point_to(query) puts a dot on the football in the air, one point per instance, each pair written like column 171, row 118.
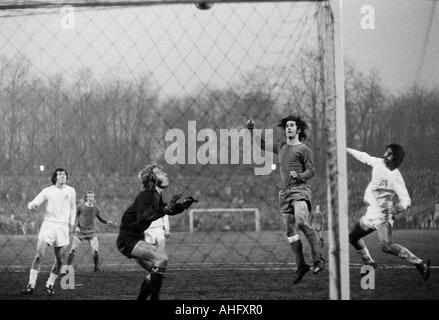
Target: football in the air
column 203, row 4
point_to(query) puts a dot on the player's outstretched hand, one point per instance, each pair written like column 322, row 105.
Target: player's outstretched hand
column 187, row 202
column 250, row 124
column 174, row 200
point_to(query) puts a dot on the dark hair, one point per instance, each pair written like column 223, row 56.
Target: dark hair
column 147, row 176
column 398, row 153
column 87, row 193
column 300, row 123
column 53, row 177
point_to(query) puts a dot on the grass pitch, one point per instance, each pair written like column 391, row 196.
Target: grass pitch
column 221, row 265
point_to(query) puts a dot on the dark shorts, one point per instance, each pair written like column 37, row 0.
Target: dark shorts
column 126, row 243
column 287, row 198
column 85, row 234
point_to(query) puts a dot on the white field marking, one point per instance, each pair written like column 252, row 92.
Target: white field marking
column 208, row 267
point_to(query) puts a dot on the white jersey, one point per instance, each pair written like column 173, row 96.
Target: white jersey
column 384, row 185
column 60, row 204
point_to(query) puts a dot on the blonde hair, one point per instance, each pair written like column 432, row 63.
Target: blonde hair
column 147, row 176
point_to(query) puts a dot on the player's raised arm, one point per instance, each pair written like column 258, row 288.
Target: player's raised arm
column 265, row 145
column 38, row 200
column 361, row 156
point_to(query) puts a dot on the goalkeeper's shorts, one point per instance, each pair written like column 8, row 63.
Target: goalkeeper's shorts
column 125, row 244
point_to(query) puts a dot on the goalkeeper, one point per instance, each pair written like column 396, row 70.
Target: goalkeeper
column 147, row 207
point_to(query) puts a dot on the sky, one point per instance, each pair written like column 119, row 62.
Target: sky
column 183, row 46
column 395, row 46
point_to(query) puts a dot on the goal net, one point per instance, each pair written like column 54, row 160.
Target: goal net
column 103, row 88
column 224, row 219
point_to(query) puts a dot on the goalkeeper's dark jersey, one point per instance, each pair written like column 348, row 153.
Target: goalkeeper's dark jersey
column 147, row 207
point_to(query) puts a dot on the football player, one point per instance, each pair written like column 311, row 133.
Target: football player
column 85, row 229
column 147, row 207
column 296, row 168
column 385, row 184
column 59, row 218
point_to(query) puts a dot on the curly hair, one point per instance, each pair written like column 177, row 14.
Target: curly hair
column 300, row 123
column 398, row 153
column 87, row 193
column 54, row 174
column 147, row 176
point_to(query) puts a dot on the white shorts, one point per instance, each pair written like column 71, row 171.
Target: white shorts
column 375, row 217
column 55, row 234
column 155, row 235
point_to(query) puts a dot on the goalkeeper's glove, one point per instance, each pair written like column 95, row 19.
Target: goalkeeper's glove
column 188, row 201
column 173, row 202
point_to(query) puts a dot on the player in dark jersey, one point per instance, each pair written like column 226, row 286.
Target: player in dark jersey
column 85, row 229
column 296, row 168
column 147, row 207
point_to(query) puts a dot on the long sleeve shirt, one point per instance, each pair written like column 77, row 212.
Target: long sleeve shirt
column 85, row 218
column 384, row 184
column 296, row 158
column 60, row 204
column 147, row 207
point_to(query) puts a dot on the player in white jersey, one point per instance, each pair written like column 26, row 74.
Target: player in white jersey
column 386, row 184
column 59, row 218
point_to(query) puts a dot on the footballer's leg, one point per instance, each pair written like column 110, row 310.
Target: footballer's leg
column 301, row 213
column 296, row 246
column 56, row 269
column 384, row 235
column 145, row 289
column 159, row 258
column 35, row 267
column 75, row 245
column 94, row 243
column 358, row 232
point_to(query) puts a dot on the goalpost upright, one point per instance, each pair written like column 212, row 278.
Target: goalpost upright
column 336, row 168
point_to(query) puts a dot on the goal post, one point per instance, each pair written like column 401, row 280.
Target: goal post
column 256, row 211
column 336, row 163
